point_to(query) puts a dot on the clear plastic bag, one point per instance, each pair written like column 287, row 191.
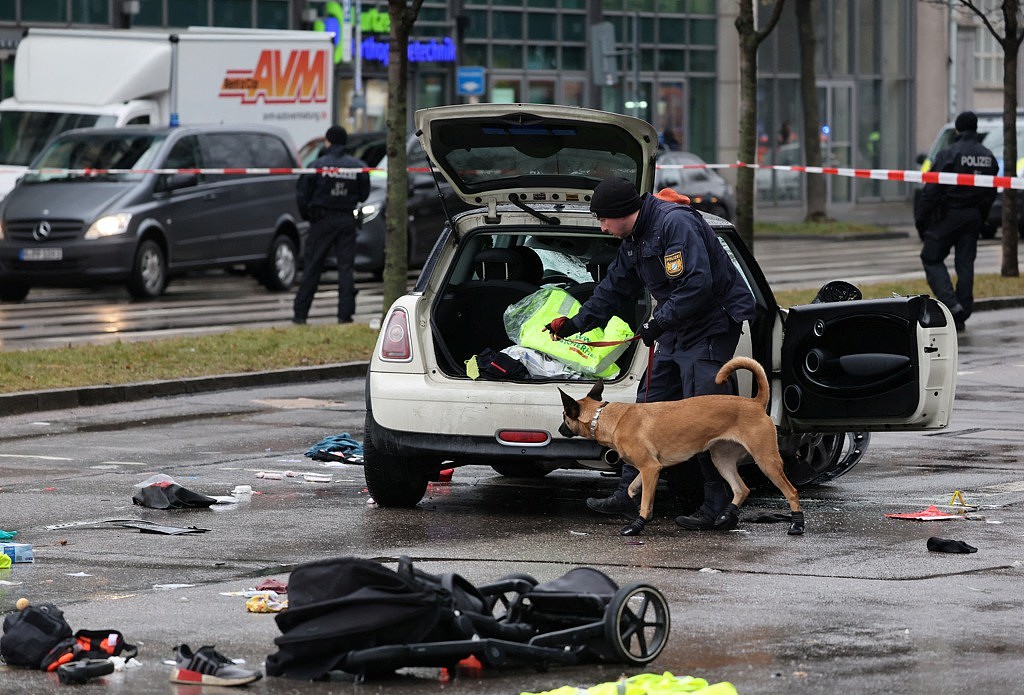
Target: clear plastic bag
column 541, row 365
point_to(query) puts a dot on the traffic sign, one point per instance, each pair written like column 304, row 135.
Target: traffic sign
column 470, row 81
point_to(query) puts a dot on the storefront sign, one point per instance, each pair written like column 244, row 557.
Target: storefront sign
column 419, row 51
column 376, row 22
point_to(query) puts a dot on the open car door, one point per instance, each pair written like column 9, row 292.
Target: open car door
column 870, row 365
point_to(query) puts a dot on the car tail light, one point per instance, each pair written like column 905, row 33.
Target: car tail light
column 518, row 437
column 396, row 346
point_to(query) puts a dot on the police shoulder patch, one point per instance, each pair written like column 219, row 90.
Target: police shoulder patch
column 674, row 264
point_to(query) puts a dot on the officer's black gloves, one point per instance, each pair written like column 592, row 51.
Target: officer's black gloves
column 650, row 331
column 562, row 327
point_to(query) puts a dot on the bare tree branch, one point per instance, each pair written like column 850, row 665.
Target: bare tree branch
column 981, row 15
column 761, row 35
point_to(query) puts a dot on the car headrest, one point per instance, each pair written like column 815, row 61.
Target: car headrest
column 516, row 263
column 599, row 262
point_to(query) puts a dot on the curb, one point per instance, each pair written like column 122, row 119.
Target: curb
column 63, row 399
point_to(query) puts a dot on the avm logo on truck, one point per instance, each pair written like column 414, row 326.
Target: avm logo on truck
column 302, row 78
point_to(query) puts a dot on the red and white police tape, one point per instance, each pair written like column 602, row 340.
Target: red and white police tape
column 909, row 176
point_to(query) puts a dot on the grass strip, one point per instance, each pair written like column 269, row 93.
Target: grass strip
column 251, row 350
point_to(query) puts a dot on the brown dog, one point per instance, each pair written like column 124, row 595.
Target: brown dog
column 652, row 436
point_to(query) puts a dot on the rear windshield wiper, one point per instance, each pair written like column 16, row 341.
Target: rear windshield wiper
column 516, row 200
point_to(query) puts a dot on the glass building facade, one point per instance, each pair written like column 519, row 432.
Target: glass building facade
column 864, row 66
column 671, row 62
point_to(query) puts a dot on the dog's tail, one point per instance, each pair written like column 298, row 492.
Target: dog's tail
column 746, row 363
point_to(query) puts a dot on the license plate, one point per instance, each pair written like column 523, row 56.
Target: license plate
column 42, row 253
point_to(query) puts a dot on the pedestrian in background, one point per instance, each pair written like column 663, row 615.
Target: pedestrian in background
column 671, row 251
column 952, row 217
column 328, row 201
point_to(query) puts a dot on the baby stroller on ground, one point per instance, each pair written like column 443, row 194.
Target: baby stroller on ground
column 362, row 618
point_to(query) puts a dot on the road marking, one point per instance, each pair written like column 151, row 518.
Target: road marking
column 32, row 456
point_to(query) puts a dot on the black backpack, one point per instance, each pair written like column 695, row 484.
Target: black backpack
column 30, row 634
column 497, row 366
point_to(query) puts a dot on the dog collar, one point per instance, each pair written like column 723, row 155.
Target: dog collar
column 593, row 421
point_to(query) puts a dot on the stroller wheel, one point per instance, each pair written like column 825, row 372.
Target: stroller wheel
column 637, row 623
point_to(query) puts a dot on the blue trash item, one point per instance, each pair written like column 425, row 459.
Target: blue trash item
column 337, row 447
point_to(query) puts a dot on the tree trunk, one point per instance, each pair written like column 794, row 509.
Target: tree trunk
column 747, row 151
column 815, row 191
column 396, row 246
column 750, row 39
column 1011, row 213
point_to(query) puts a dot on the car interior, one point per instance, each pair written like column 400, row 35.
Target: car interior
column 494, row 271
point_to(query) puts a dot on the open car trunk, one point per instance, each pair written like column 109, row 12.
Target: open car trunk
column 494, row 270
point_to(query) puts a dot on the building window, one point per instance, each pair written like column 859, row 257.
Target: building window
column 505, row 91
column 91, row 12
column 232, row 13
column 272, row 14
column 540, row 27
column 45, row 11
column 574, row 58
column 988, row 54
column 151, row 14
column 507, row 25
column 7, row 10
column 184, row 13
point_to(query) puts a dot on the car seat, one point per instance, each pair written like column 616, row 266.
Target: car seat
column 470, row 316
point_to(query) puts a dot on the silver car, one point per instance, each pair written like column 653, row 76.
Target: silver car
column 836, row 368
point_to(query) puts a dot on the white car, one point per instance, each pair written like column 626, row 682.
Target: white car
column 835, row 368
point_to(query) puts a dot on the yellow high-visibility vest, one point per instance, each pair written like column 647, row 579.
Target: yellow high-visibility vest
column 591, row 360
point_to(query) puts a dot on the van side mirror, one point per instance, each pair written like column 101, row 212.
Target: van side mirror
column 175, row 181
column 920, row 158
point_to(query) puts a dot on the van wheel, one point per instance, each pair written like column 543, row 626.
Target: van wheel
column 281, row 265
column 13, row 291
column 149, row 272
column 392, row 480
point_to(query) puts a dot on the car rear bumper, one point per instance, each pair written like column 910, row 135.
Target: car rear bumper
column 468, row 449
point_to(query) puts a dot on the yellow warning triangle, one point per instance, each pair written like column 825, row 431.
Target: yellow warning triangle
column 957, row 499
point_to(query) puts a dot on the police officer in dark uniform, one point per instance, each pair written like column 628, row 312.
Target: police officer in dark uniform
column 952, row 217
column 328, row 200
column 702, row 301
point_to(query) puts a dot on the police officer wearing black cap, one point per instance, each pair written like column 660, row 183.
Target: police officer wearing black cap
column 952, row 217
column 702, row 300
column 328, row 200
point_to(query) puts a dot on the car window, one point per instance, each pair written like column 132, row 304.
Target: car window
column 229, row 150
column 184, row 154
column 269, row 151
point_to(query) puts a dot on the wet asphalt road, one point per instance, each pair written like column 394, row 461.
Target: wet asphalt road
column 857, row 605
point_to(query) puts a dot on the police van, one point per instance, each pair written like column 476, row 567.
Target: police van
column 990, row 133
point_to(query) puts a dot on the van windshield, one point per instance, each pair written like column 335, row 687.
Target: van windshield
column 90, row 151
column 990, row 133
column 24, row 133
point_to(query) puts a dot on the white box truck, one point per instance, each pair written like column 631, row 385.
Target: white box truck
column 67, row 78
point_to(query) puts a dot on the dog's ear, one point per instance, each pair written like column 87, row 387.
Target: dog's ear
column 596, row 391
column 571, row 407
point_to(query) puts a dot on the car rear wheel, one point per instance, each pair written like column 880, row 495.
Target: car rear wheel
column 525, row 469
column 813, row 458
column 149, row 271
column 281, row 265
column 393, row 480
column 13, row 291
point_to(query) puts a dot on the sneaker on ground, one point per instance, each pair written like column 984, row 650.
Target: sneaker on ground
column 207, row 666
